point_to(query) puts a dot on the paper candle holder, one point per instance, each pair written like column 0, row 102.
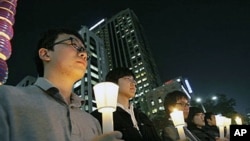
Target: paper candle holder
column 106, row 100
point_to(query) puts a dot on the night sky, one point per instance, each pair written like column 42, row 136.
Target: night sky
column 206, row 42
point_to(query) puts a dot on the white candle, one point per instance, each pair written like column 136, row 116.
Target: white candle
column 106, row 100
column 178, row 120
column 227, row 124
column 220, row 123
column 177, row 117
column 107, row 122
column 181, row 132
column 238, row 120
column 221, row 130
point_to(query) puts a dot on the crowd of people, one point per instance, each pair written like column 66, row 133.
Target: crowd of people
column 199, row 126
column 49, row 110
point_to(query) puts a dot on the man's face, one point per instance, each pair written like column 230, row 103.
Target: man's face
column 182, row 104
column 198, row 119
column 212, row 121
column 65, row 59
column 127, row 86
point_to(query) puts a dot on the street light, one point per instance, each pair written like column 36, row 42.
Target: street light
column 214, row 98
column 199, row 100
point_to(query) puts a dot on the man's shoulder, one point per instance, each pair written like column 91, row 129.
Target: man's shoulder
column 9, row 90
column 16, row 88
column 7, row 86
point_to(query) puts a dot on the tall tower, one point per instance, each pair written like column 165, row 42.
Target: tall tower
column 127, row 46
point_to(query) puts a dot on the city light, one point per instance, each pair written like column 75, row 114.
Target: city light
column 199, row 100
column 101, row 21
column 214, row 98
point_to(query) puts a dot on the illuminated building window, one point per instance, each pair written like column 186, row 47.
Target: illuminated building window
column 159, row 100
column 154, row 111
column 152, row 103
column 161, row 108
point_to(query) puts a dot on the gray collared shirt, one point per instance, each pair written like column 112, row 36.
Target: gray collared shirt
column 39, row 113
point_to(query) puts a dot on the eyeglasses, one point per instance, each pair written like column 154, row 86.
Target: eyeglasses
column 130, row 80
column 184, row 104
column 200, row 114
column 75, row 44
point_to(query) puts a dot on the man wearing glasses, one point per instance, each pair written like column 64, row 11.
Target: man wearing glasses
column 49, row 110
column 134, row 125
column 176, row 100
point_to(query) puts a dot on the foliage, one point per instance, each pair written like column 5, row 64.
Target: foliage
column 222, row 105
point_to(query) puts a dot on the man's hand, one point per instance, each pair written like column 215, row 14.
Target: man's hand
column 111, row 136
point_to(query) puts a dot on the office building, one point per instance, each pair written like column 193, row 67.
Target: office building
column 127, row 46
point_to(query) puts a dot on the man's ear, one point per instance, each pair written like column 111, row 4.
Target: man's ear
column 44, row 54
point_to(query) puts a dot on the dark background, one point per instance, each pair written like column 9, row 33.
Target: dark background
column 204, row 41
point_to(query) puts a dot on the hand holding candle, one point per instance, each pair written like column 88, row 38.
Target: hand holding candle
column 178, row 119
column 220, row 123
column 106, row 100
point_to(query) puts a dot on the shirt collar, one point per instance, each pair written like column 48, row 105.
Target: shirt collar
column 47, row 86
column 131, row 106
column 44, row 83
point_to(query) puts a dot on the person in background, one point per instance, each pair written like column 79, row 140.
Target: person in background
column 195, row 123
column 134, row 125
column 210, row 125
column 49, row 110
column 180, row 101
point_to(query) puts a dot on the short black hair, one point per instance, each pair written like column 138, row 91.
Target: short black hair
column 192, row 112
column 118, row 73
column 171, row 99
column 208, row 115
column 46, row 41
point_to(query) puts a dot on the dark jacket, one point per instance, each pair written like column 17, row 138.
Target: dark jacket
column 212, row 130
column 201, row 134
column 170, row 133
column 123, row 122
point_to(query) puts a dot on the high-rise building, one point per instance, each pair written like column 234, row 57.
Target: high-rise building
column 127, row 46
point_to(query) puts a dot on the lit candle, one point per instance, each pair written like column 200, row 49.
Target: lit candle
column 238, row 120
column 220, row 123
column 106, row 100
column 227, row 124
column 181, row 132
column 107, row 121
column 178, row 120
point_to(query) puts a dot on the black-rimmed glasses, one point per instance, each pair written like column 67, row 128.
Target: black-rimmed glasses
column 184, row 104
column 130, row 80
column 74, row 43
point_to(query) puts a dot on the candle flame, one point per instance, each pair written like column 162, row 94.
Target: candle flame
column 175, row 109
